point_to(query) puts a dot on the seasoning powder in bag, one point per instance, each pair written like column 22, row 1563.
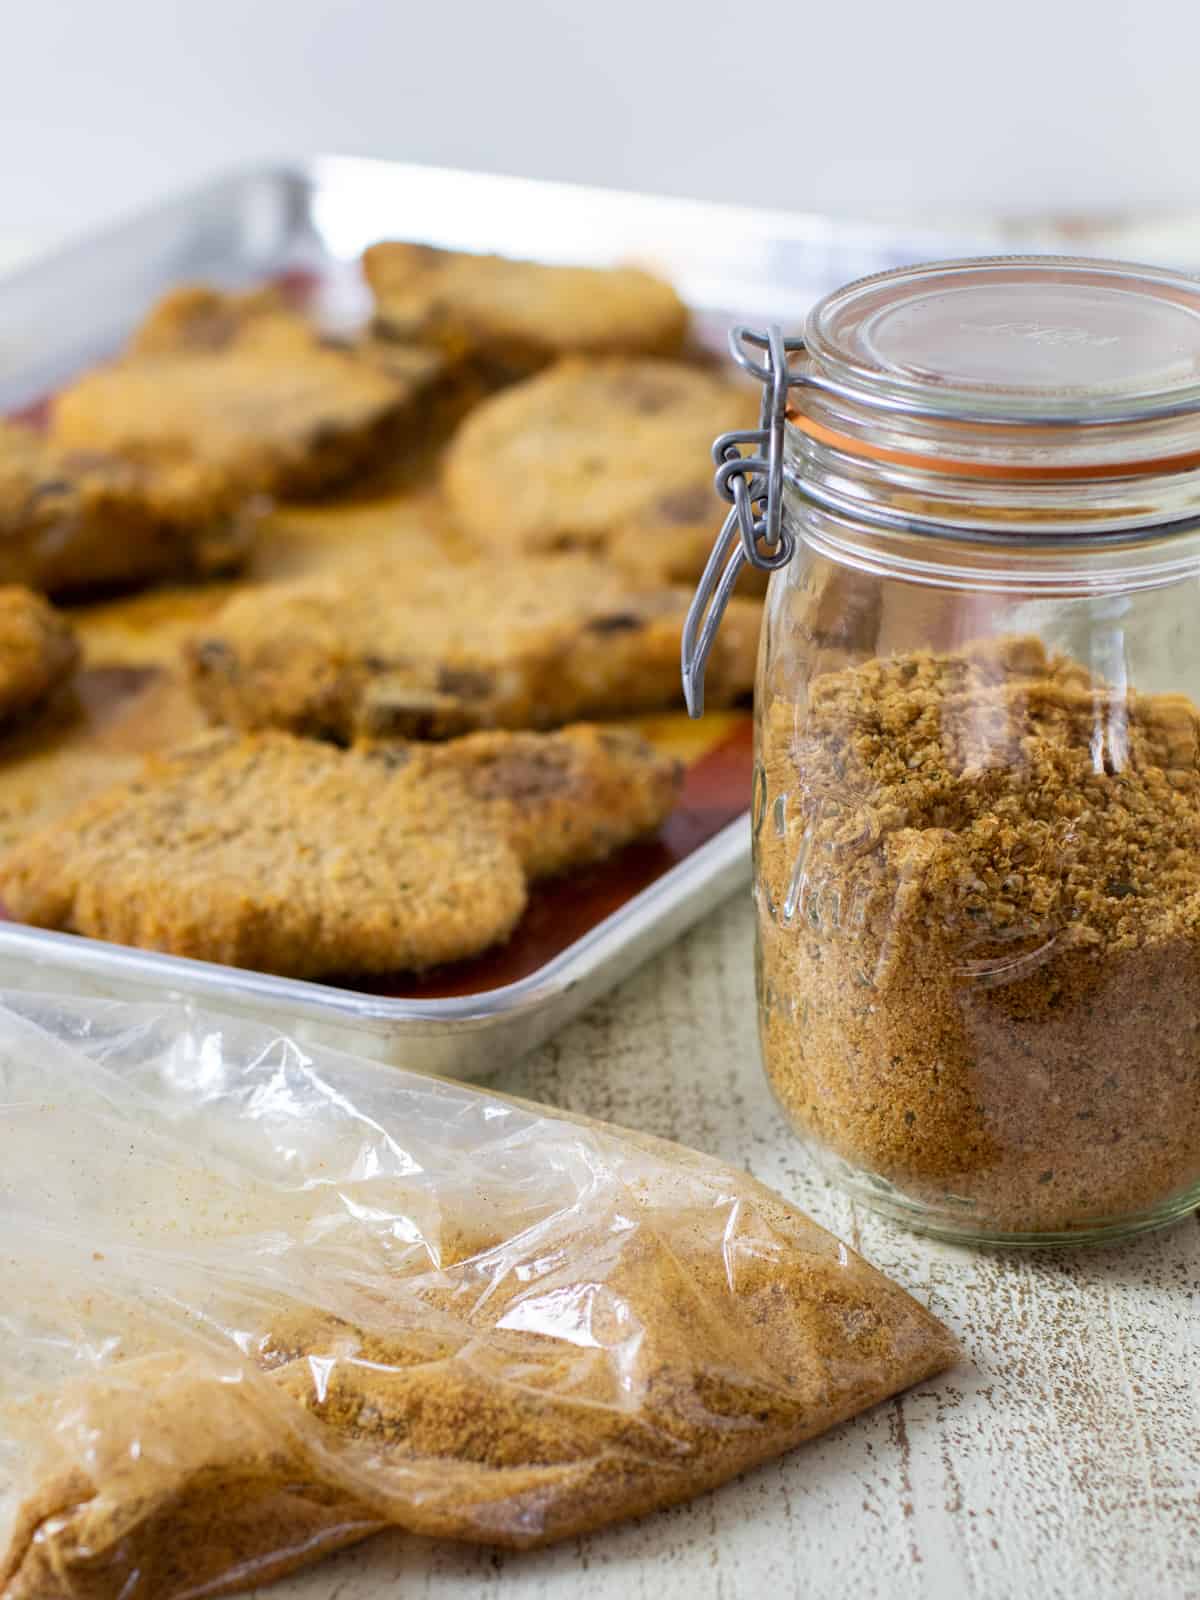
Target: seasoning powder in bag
column 259, row 1300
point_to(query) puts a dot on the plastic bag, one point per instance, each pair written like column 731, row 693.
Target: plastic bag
column 258, row 1301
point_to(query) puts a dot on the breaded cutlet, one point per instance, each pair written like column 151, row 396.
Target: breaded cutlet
column 511, row 317
column 295, row 857
column 244, row 383
column 74, row 520
column 427, row 650
column 562, row 800
column 38, row 650
column 612, row 456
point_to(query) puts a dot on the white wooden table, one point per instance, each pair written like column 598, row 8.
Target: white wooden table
column 1060, row 1461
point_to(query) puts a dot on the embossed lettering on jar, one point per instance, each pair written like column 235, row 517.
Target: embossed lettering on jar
column 977, row 810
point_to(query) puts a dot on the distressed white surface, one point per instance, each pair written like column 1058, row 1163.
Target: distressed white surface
column 1060, row 1460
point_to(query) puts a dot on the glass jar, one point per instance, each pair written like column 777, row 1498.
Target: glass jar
column 977, row 794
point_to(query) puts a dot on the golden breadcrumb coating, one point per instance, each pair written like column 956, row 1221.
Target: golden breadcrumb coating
column 74, row 519
column 611, row 455
column 428, row 650
column 294, row 857
column 514, row 317
column 242, row 382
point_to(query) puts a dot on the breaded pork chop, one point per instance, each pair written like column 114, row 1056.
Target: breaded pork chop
column 562, row 800
column 428, row 650
column 38, row 650
column 242, row 382
column 72, row 520
column 613, row 456
column 513, row 317
column 294, row 857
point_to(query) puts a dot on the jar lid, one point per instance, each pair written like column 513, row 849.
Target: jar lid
column 1007, row 399
column 1019, row 339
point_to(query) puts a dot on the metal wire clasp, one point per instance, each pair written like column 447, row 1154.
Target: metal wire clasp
column 752, row 532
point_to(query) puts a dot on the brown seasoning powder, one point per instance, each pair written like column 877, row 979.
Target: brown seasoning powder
column 979, row 922
column 708, row 1340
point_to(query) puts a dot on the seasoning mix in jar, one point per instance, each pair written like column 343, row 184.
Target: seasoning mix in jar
column 977, row 794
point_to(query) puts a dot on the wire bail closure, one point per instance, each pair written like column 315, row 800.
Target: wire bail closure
column 753, row 533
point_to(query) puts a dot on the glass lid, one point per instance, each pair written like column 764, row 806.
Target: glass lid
column 1015, row 338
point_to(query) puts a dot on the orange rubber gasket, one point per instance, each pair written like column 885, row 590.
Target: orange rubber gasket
column 940, row 466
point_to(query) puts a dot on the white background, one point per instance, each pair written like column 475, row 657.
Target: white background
column 878, row 107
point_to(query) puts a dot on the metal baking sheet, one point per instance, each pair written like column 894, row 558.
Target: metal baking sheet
column 313, row 220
